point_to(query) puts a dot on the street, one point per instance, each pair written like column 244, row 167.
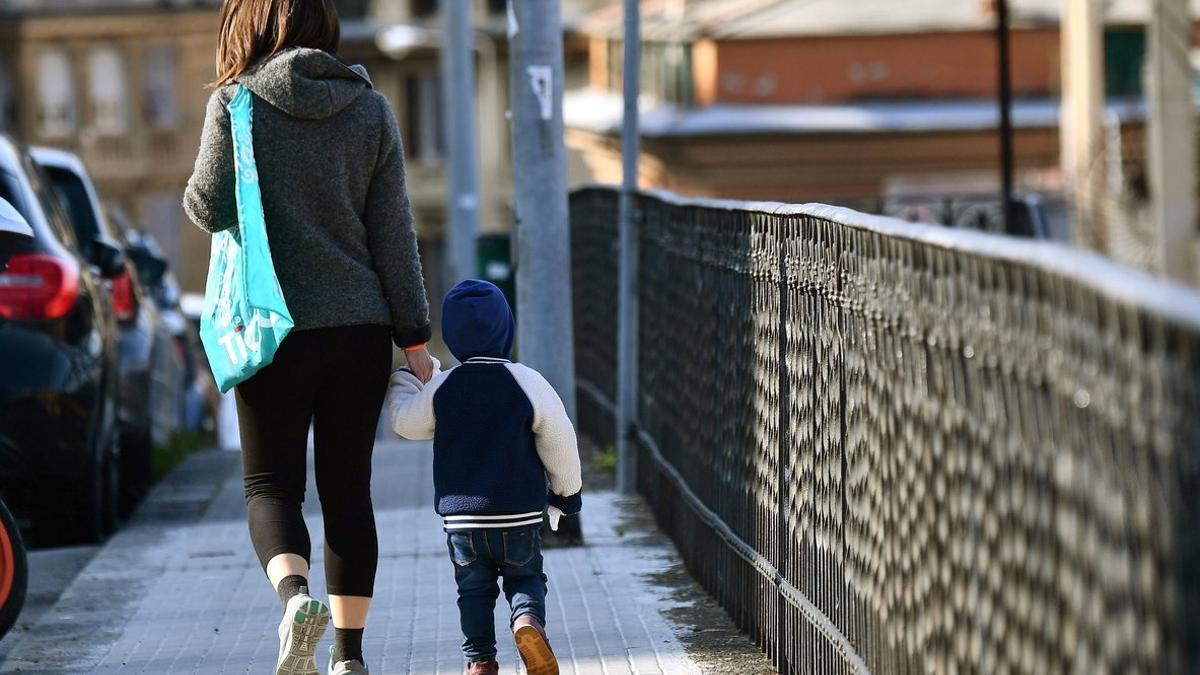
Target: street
column 50, row 572
column 179, row 589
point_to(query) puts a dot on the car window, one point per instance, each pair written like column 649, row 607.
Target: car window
column 10, row 191
column 73, row 195
column 8, row 194
column 53, row 207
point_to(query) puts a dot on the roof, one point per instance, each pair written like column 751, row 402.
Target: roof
column 601, row 112
column 675, row 20
column 368, row 29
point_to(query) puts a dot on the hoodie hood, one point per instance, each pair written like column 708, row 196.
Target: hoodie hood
column 306, row 83
column 476, row 321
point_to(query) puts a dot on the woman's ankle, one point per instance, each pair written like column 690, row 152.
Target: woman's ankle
column 291, row 586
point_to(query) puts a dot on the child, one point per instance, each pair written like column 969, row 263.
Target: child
column 500, row 433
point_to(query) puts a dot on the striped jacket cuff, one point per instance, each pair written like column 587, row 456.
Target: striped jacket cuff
column 472, row 522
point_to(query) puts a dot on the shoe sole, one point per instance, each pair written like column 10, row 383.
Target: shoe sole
column 535, row 652
column 308, row 626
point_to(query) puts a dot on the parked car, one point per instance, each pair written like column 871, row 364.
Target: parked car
column 154, row 272
column 14, row 565
column 59, row 436
column 151, row 380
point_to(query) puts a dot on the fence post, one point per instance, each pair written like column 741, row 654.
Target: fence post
column 627, row 302
column 1170, row 136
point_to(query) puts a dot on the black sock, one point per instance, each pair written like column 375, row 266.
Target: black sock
column 347, row 645
column 291, row 586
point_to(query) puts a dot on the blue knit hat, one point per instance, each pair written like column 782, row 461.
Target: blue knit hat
column 477, row 321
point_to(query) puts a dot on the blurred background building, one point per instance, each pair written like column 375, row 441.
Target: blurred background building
column 121, row 83
column 867, row 104
column 864, row 103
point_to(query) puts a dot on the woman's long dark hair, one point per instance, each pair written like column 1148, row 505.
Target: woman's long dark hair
column 252, row 30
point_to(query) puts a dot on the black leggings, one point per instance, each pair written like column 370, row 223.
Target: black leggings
column 335, row 379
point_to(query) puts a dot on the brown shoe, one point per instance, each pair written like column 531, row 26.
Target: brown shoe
column 533, row 646
column 483, row 668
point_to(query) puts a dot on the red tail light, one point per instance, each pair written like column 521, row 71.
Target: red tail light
column 38, row 286
column 122, row 297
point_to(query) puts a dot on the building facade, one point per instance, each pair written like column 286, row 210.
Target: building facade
column 122, row 85
column 855, row 103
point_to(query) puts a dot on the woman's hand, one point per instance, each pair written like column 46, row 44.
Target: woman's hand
column 419, row 362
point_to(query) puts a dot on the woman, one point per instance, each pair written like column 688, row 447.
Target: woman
column 331, row 170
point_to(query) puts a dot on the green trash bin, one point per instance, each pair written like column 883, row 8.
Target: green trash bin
column 495, row 264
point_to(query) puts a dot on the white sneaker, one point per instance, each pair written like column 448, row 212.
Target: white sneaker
column 304, row 622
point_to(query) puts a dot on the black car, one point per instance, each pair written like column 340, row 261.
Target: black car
column 151, row 380
column 59, row 437
column 14, row 565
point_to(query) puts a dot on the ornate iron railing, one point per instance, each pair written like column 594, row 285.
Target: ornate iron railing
column 895, row 449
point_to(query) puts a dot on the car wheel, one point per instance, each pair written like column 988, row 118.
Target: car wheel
column 136, row 467
column 14, row 571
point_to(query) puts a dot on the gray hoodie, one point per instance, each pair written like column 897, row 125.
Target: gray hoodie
column 331, row 170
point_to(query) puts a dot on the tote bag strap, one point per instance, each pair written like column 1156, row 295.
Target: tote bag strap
column 260, row 285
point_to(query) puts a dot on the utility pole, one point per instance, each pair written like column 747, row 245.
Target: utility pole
column 545, row 336
column 1171, row 139
column 1082, row 128
column 627, row 300
column 1003, row 49
column 462, row 184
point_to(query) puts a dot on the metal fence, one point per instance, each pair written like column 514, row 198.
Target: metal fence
column 896, row 449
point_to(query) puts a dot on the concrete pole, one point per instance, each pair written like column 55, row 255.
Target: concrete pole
column 1082, row 128
column 462, row 180
column 627, row 299
column 544, row 320
column 1171, row 139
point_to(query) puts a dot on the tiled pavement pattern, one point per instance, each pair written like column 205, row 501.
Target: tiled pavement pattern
column 180, row 591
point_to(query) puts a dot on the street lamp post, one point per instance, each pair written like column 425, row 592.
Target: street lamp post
column 462, row 184
column 1003, row 54
column 627, row 305
column 544, row 315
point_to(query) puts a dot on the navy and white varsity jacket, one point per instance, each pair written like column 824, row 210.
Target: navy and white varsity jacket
column 503, row 444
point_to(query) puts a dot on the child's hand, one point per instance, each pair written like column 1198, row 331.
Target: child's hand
column 420, row 362
column 555, row 515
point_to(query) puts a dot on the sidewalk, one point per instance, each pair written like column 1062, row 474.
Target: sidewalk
column 180, row 591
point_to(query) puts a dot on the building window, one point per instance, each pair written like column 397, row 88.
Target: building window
column 426, row 129
column 109, row 92
column 56, row 94
column 678, row 77
column 421, row 9
column 352, row 9
column 161, row 100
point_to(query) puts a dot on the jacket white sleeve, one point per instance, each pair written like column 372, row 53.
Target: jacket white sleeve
column 410, row 404
column 553, row 432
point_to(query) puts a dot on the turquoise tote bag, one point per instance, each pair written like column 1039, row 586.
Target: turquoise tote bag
column 245, row 317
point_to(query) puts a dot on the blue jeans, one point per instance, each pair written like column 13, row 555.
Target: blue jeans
column 483, row 556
